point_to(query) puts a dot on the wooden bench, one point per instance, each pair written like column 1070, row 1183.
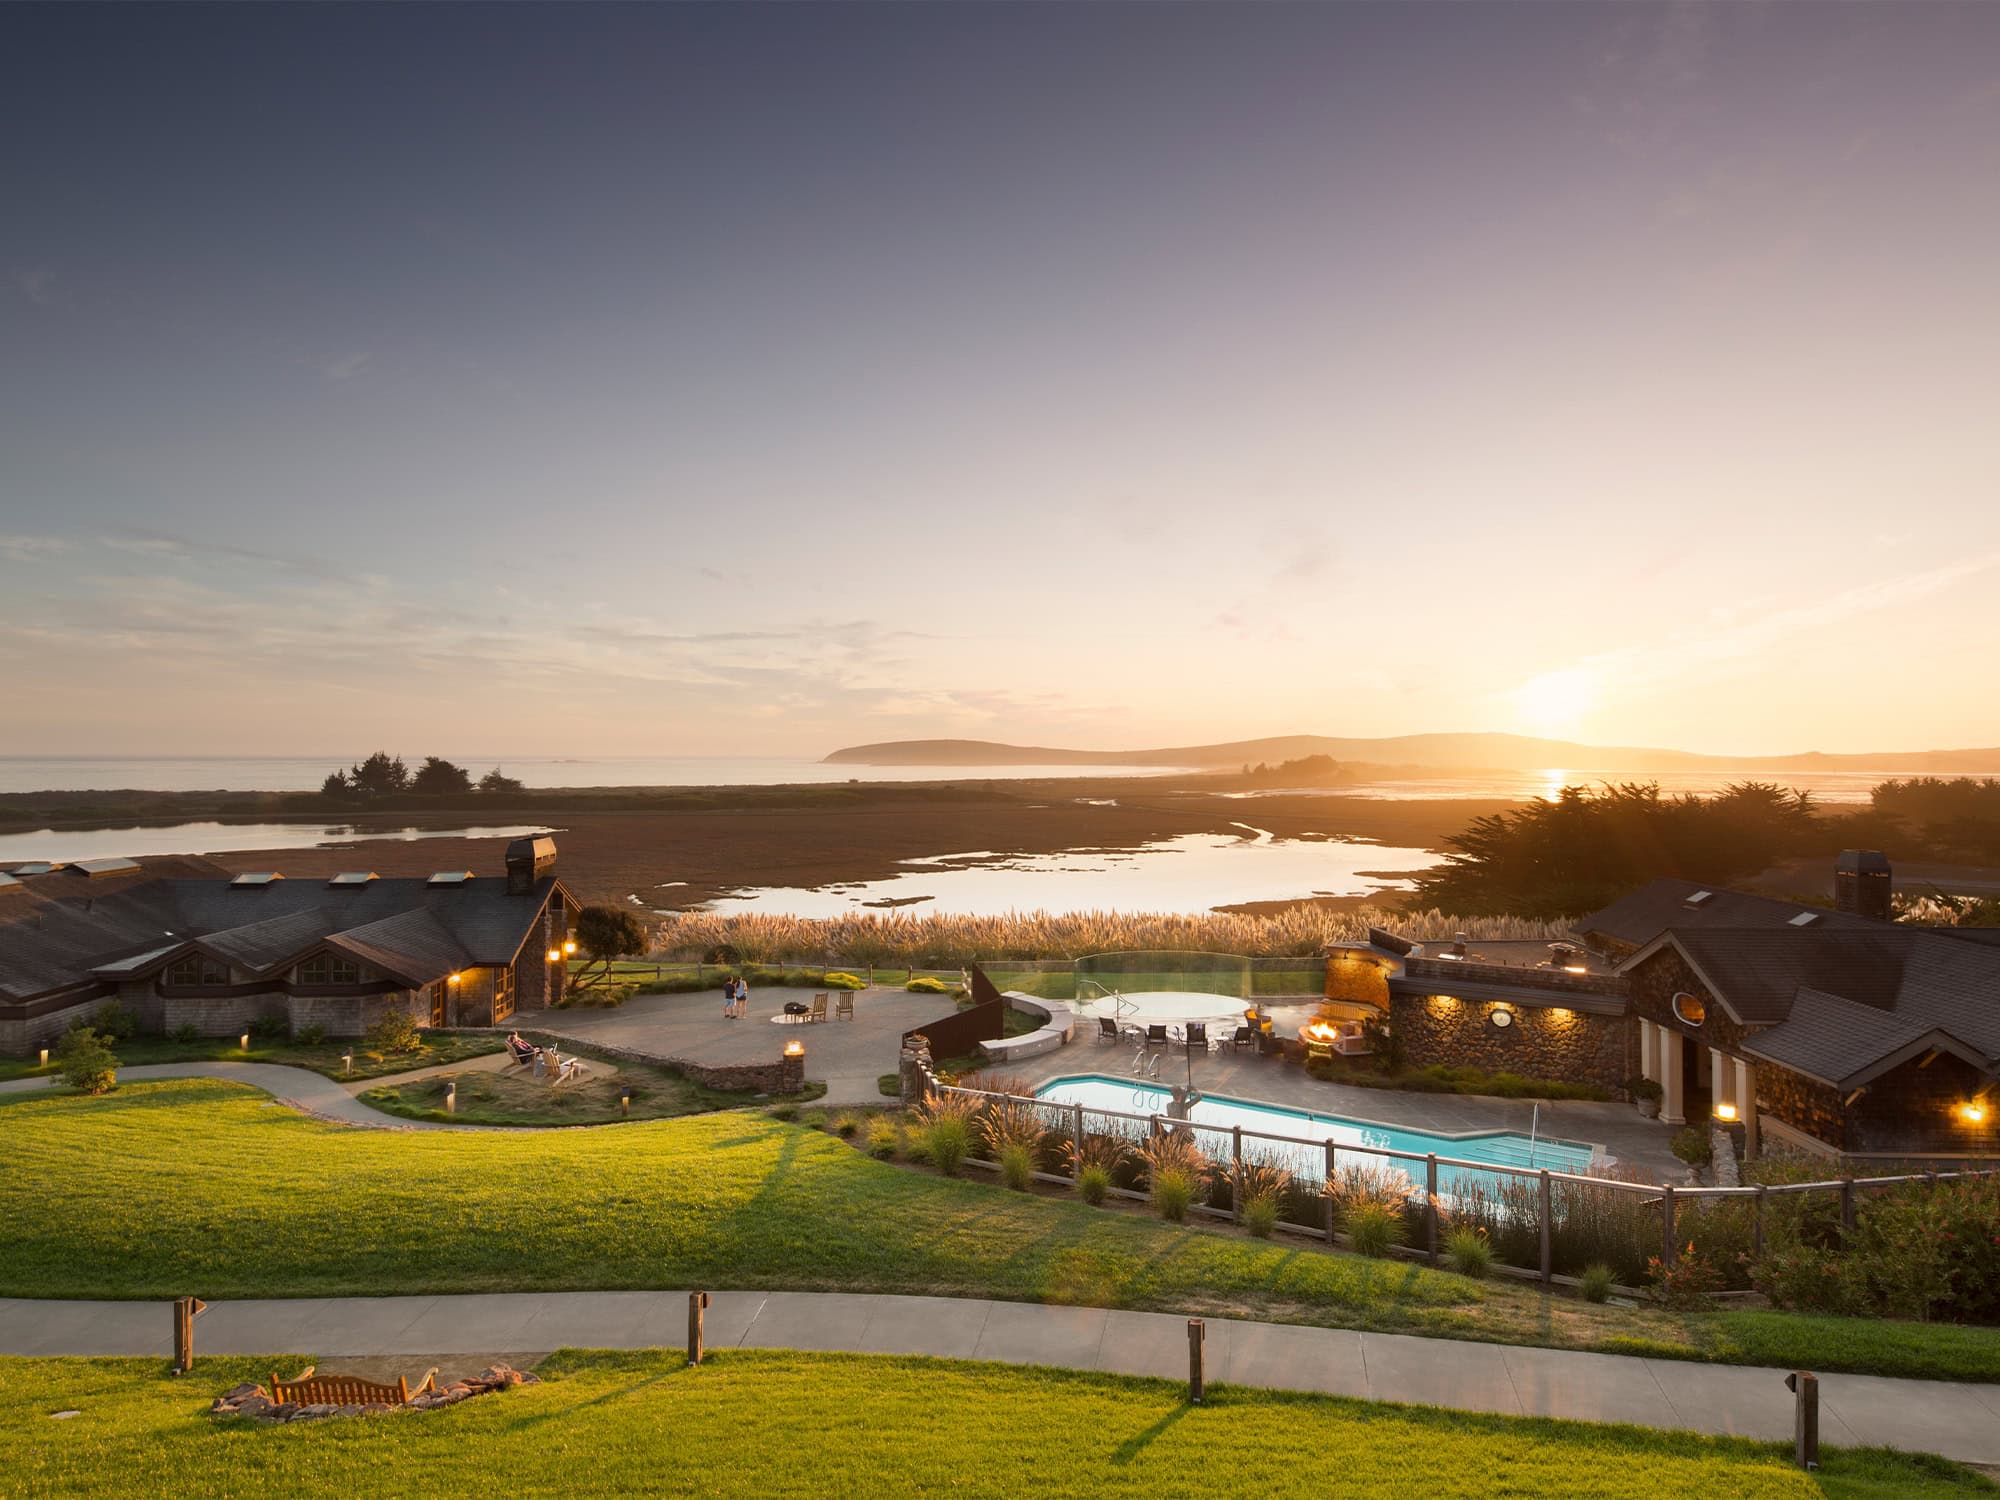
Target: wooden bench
column 347, row 1390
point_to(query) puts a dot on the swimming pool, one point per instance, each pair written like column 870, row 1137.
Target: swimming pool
column 1500, row 1148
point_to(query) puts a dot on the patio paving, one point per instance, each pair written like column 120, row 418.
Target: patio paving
column 847, row 1056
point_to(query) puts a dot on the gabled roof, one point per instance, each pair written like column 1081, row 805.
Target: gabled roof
column 1840, row 1042
column 263, row 946
column 413, row 946
column 1755, row 972
column 1685, row 905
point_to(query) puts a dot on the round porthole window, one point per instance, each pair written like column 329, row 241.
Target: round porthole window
column 1689, row 1008
column 1502, row 1018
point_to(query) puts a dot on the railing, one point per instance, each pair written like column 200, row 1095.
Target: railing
column 1445, row 1188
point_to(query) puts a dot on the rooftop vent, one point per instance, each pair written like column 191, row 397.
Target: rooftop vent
column 1700, row 898
column 256, row 877
column 450, row 877
column 353, row 877
column 92, row 868
column 37, row 867
column 9, row 883
column 1805, row 919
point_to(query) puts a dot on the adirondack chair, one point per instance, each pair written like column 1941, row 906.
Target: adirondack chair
column 843, row 1008
column 818, row 1012
column 347, row 1390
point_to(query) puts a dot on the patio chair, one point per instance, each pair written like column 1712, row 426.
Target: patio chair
column 1246, row 1038
column 843, row 1008
column 818, row 1012
column 1197, row 1036
column 1107, row 1029
column 1156, row 1035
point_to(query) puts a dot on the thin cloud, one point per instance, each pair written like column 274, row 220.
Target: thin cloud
column 346, row 367
column 17, row 548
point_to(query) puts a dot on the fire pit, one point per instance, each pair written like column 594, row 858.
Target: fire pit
column 1320, row 1038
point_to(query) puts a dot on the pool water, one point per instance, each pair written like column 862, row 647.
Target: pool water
column 1500, row 1148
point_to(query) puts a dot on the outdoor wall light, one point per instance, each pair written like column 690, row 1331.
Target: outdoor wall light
column 1502, row 1017
column 1725, row 1112
column 569, row 946
column 555, row 955
column 451, row 979
column 795, row 1049
column 1972, row 1112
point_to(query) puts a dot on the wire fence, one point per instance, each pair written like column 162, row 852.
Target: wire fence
column 1541, row 1222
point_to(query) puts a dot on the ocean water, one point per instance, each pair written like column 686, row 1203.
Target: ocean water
column 304, row 773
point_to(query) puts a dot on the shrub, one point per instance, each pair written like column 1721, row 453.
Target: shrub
column 1374, row 1230
column 1093, row 1182
column 186, row 1034
column 394, row 1033
column 846, row 1126
column 924, row 984
column 840, row 981
column 1641, row 1087
column 1813, row 1279
column 1012, row 1132
column 916, row 1144
column 86, row 1062
column 1260, row 1216
column 1175, row 1167
column 813, row 1119
column 269, row 1027
column 1690, row 1282
column 785, row 1112
column 116, row 1022
column 1017, row 1166
column 312, row 1036
column 1469, row 1252
column 1596, row 1282
column 1693, row 1145
column 883, row 1138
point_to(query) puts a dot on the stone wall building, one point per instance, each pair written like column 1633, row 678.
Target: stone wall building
column 185, row 946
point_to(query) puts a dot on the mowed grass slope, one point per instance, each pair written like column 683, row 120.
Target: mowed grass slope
column 200, row 1187
column 749, row 1423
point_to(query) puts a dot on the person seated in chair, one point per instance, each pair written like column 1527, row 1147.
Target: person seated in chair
column 524, row 1051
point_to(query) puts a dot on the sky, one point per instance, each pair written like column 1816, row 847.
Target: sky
column 721, row 380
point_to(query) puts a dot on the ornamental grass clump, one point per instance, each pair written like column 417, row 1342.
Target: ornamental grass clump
column 1469, row 1252
column 885, row 1138
column 945, row 1122
column 1373, row 1229
column 1260, row 1189
column 1175, row 1168
column 1012, row 1132
column 1359, row 1187
column 1596, row 1282
column 1093, row 1160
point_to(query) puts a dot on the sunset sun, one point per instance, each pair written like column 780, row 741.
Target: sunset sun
column 1554, row 703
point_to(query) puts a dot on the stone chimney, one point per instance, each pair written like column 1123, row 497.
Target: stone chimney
column 528, row 860
column 1863, row 883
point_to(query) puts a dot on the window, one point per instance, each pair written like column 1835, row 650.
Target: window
column 194, row 969
column 1689, row 1009
column 325, row 968
column 503, row 995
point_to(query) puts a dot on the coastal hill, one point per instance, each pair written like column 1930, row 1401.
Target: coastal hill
column 1439, row 752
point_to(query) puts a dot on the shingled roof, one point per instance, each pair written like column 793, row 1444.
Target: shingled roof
column 59, row 932
column 1686, row 905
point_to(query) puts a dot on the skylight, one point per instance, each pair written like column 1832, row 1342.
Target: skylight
column 256, row 877
column 1805, row 919
column 450, row 877
column 1699, row 897
column 352, row 877
column 36, row 867
column 108, row 866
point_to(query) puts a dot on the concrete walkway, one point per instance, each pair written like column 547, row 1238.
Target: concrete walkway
column 1955, row 1420
column 304, row 1090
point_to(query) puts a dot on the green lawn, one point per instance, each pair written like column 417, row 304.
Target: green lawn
column 772, row 1423
column 321, row 1057
column 517, row 1098
column 195, row 1186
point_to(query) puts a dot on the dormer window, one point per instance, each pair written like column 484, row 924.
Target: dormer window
column 325, row 968
column 196, row 970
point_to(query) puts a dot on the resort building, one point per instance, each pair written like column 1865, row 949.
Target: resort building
column 1835, row 1031
column 182, row 943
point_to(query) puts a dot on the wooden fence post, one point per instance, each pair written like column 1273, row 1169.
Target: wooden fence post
column 1327, row 1190
column 1667, row 1227
column 1548, row 1228
column 1076, row 1157
column 1236, row 1174
column 697, row 1302
column 1197, row 1332
column 1847, row 1204
column 1805, row 1418
column 1431, row 1205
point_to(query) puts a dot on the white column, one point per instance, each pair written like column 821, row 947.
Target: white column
column 1649, row 1051
column 1670, row 1078
column 1721, row 1079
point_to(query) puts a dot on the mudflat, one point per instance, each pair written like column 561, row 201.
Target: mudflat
column 716, row 840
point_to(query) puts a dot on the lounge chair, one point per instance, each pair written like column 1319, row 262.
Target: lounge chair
column 1107, row 1029
column 1246, row 1038
column 524, row 1055
column 818, row 1012
column 1156, row 1035
column 843, row 1008
column 1197, row 1036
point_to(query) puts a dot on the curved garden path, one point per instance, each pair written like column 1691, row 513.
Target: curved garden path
column 1960, row 1421
column 308, row 1092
